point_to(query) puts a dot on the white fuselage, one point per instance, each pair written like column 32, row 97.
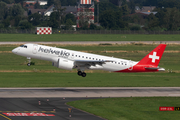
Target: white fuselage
column 53, row 54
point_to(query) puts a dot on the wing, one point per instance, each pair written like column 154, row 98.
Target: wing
column 89, row 63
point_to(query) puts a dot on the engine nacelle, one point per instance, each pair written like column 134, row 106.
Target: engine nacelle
column 64, row 64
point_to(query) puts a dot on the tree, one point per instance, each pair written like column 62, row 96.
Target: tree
column 1, row 26
column 152, row 21
column 161, row 13
column 35, row 19
column 24, row 24
column 103, row 6
column 59, row 12
column 169, row 18
column 63, row 2
column 70, row 2
column 135, row 27
column 124, row 2
column 115, row 2
column 112, row 20
column 168, row 3
column 119, row 21
column 69, row 24
column 85, row 25
column 17, row 19
column 3, row 10
column 7, row 1
column 132, row 6
column 72, row 17
column 53, row 20
column 18, row 1
column 92, row 26
column 6, row 23
column 17, row 10
column 125, row 9
column 174, row 19
column 50, row 2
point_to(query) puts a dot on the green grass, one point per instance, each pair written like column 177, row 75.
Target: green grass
column 146, row 108
column 87, row 37
column 36, row 79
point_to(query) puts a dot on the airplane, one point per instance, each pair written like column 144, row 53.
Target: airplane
column 70, row 59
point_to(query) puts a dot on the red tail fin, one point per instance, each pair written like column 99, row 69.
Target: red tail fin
column 154, row 57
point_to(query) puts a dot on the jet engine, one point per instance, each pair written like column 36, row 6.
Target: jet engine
column 64, row 64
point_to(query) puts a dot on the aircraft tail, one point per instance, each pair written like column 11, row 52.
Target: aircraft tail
column 154, row 57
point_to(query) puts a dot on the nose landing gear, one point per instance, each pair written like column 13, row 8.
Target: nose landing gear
column 29, row 61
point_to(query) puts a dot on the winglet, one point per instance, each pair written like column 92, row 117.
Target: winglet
column 154, row 57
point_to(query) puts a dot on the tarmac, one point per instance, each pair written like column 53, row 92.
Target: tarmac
column 50, row 103
column 41, row 109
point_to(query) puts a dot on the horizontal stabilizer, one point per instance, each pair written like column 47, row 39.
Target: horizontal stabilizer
column 153, row 68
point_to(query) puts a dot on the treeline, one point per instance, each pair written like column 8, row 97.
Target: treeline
column 113, row 14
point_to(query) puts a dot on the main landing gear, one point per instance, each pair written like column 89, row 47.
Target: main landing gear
column 80, row 73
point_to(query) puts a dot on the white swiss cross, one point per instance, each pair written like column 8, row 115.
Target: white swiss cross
column 154, row 57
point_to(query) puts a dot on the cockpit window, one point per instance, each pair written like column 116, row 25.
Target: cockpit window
column 24, row 46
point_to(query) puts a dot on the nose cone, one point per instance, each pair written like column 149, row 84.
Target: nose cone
column 14, row 50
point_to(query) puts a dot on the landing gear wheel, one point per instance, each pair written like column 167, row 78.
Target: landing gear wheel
column 29, row 64
column 79, row 73
column 83, row 74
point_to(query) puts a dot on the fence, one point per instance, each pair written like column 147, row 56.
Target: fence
column 33, row 31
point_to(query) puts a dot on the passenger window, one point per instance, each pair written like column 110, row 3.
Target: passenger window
column 25, row 46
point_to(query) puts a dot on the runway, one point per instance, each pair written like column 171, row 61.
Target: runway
column 89, row 92
column 50, row 103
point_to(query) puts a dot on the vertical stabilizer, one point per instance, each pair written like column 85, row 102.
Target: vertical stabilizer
column 154, row 57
